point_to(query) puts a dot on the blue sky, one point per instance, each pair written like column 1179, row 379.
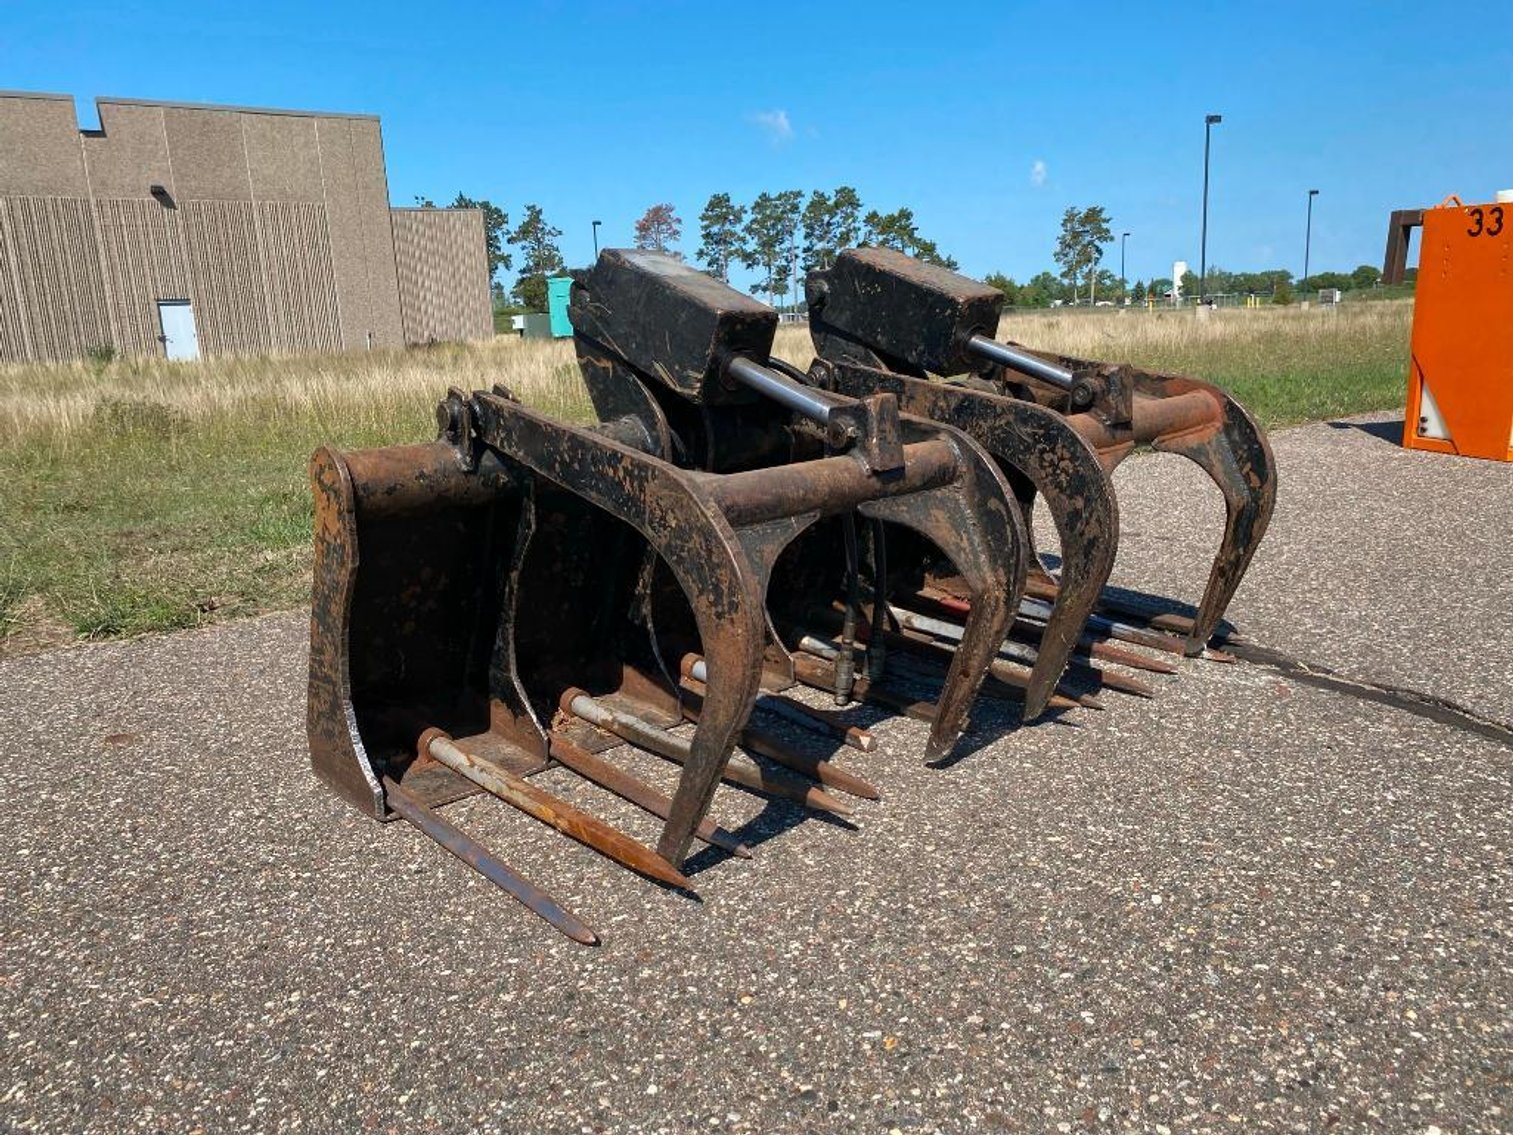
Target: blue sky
column 986, row 119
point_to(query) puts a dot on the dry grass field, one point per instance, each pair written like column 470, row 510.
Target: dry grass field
column 140, row 495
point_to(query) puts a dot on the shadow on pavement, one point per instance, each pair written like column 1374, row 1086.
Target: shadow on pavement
column 1391, row 430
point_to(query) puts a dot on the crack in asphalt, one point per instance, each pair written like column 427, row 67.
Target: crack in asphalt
column 1430, row 706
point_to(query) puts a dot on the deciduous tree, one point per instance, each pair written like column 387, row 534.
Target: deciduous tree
column 1040, row 291
column 659, row 228
column 1004, row 284
column 1366, row 276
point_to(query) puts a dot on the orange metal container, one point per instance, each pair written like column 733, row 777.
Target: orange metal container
column 1460, row 376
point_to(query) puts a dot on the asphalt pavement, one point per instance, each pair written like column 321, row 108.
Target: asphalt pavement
column 1248, row 904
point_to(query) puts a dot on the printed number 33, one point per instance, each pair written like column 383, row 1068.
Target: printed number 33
column 1480, row 216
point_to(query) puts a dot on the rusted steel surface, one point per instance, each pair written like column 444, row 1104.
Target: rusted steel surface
column 567, row 819
column 638, row 792
column 882, row 322
column 478, row 857
column 691, row 536
column 942, row 636
column 762, row 743
column 796, row 712
column 817, row 672
column 777, row 456
column 1198, row 421
column 942, row 323
column 738, row 769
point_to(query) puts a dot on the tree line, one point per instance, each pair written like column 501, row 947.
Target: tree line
column 783, row 236
column 1080, row 249
column 1046, row 289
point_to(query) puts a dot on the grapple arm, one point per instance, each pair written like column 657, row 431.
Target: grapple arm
column 882, row 322
column 713, row 379
column 1114, row 408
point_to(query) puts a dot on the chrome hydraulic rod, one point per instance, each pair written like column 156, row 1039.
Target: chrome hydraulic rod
column 1021, row 361
column 803, row 400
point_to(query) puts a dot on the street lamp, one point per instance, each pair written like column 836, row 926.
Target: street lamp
column 1122, row 282
column 1209, row 122
column 1307, row 242
column 596, row 238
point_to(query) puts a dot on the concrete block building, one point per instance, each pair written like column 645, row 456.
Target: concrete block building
column 180, row 229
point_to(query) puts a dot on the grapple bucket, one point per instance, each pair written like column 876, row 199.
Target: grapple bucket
column 461, row 591
column 524, row 593
column 883, row 321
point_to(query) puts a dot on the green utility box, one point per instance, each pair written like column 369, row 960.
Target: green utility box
column 558, row 290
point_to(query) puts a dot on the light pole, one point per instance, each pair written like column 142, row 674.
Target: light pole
column 1209, row 122
column 1307, row 242
column 1122, row 282
column 596, row 238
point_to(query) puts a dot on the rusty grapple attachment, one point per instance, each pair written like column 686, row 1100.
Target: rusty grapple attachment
column 523, row 594
column 463, row 587
column 880, row 309
column 792, row 468
column 882, row 321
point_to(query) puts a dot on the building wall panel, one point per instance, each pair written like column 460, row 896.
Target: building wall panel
column 226, row 277
column 15, row 343
column 443, row 274
column 53, row 279
column 130, row 155
column 351, row 267
column 142, row 256
column 283, row 157
column 377, row 239
column 39, row 148
column 299, row 286
column 209, row 157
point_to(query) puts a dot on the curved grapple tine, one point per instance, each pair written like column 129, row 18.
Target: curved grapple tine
column 976, row 522
column 700, row 548
column 1065, row 470
column 1235, row 454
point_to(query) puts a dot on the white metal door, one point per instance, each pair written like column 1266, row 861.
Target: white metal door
column 179, row 338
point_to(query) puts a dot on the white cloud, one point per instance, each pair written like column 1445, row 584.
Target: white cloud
column 1038, row 173
column 775, row 124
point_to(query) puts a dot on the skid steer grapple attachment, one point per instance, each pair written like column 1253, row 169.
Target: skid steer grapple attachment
column 460, row 592
column 883, row 321
column 792, row 468
column 523, row 593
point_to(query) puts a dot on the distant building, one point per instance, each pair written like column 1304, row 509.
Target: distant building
column 182, row 229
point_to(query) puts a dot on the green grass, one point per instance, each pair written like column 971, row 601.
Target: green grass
column 139, row 531
column 143, row 496
column 1286, row 365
